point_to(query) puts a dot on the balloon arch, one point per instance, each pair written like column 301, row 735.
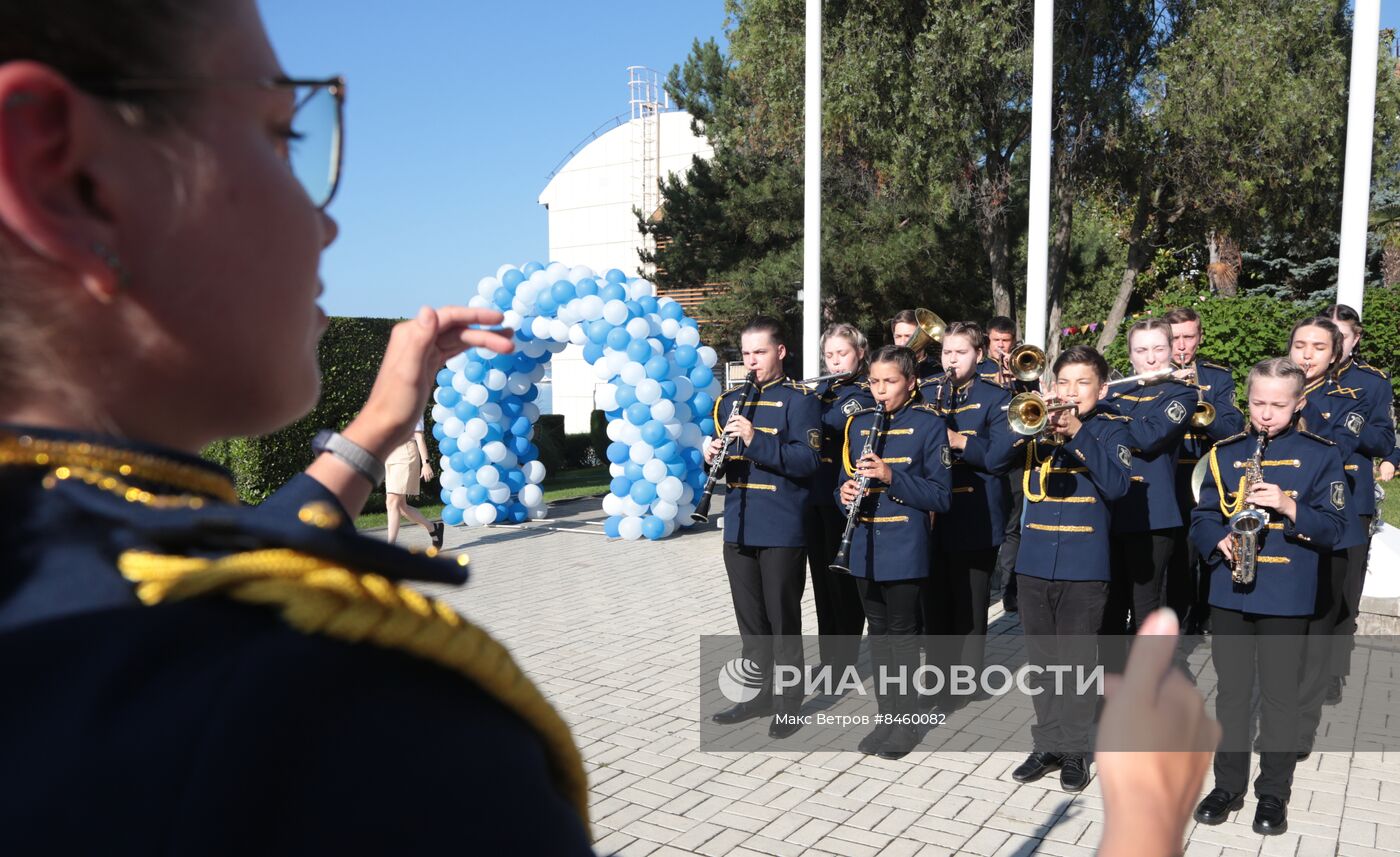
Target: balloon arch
column 658, row 388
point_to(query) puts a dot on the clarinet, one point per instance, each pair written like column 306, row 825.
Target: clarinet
column 702, row 509
column 840, row 564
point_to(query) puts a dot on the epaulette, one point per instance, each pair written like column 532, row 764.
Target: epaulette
column 923, row 406
column 1374, row 370
column 804, row 389
column 1232, row 438
column 1214, row 364
column 1112, row 416
column 318, row 597
column 1336, row 389
column 1317, row 437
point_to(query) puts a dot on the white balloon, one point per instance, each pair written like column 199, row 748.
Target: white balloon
column 673, row 428
column 640, row 453
column 648, row 390
column 670, row 327
column 475, row 428
column 671, row 526
column 460, row 382
column 439, row 412
column 495, row 379
column 654, row 471
column 630, row 528
column 639, row 289
column 484, row 354
column 559, row 331
column 537, row 374
column 531, row 412
column 487, row 476
column 670, row 489
column 486, row 287
column 539, row 327
column 538, row 513
column 683, row 514
column 557, row 271
column 450, row 479
column 592, row 307
column 615, row 312
column 688, row 496
column 452, row 427
column 499, row 494
column 534, row 471
column 577, row 335
column 512, row 318
column 485, row 514
column 613, row 505
column 579, row 272
column 568, row 314
column 688, row 336
column 541, row 279
column 605, row 397
column 518, row 383
column 527, row 292
column 633, row 374
column 531, row 495
column 638, row 328
column 501, row 271
column 630, row 434
column 457, row 361
column 708, row 357
column 662, row 409
column 601, row 370
column 615, row 427
column 490, row 412
column 478, row 302
column 690, row 435
column 616, row 470
column 683, row 413
column 632, row 508
column 664, row 510
column 459, row 498
column 495, row 451
column 534, row 349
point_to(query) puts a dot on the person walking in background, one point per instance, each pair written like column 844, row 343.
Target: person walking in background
column 405, row 470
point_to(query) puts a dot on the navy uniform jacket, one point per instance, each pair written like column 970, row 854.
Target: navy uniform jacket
column 1065, row 534
column 930, row 366
column 207, row 723
column 1218, row 388
column 1387, row 396
column 769, row 479
column 1338, row 414
column 891, row 539
column 839, row 399
column 1158, row 417
column 1285, row 582
column 1377, row 438
column 977, row 518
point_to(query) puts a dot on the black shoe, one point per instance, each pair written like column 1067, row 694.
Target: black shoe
column 1216, row 807
column 1074, row 773
column 1334, row 691
column 785, row 724
column 871, row 744
column 902, row 739
column 1036, row 766
column 439, row 529
column 1271, row 818
column 744, row 711
column 1008, row 601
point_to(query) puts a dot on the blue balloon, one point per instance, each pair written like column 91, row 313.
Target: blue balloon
column 615, row 276
column 458, row 460
column 518, row 513
column 673, row 311
column 503, row 362
column 512, row 409
column 686, row 355
column 701, row 377
column 618, row 339
column 446, row 497
column 503, row 298
column 614, row 414
column 648, row 304
column 667, row 451
column 468, row 478
column 609, row 526
column 545, row 303
column 668, row 389
column 592, row 351
column 520, row 427
column 448, row 397
column 531, row 394
column 520, row 446
column 707, row 427
column 447, row 446
column 617, row 452
column 444, row 377
column 475, row 370
column 451, row 515
column 632, row 470
column 438, row 432
column 466, row 410
column 477, row 494
column 474, row 458
column 598, row 331
column 638, row 413
column 678, row 468
column 494, row 432
column 639, row 351
column 513, row 277
column 531, row 453
column 515, row 479
column 586, row 286
column 563, row 292
column 520, row 362
column 620, row 485
column 702, row 403
column 694, row 457
column 612, row 292
column 634, row 309
column 653, row 527
column 657, row 368
column 654, row 432
column 689, row 322
column 643, row 492
column 626, row 395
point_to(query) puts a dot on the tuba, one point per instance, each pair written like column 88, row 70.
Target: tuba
column 930, row 330
column 1248, row 522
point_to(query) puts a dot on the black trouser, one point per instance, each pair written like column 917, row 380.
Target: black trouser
column 1241, row 657
column 1355, row 582
column 1320, row 648
column 1138, row 565
column 766, row 585
column 892, row 610
column 1060, row 619
column 840, row 614
column 1006, row 555
column 955, row 605
column 1188, row 580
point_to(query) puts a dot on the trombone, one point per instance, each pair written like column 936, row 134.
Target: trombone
column 930, row 330
column 1025, row 362
column 1029, row 413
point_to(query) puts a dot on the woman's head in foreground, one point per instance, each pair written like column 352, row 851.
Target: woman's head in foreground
column 158, row 257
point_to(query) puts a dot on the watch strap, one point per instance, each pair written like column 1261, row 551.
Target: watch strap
column 355, row 456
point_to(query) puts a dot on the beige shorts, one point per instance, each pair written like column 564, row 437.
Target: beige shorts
column 402, row 470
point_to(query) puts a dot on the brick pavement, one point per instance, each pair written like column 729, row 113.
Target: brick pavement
column 610, row 631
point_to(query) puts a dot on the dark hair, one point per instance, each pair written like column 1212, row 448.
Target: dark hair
column 904, row 316
column 1181, row 315
column 1083, row 354
column 971, row 329
column 900, row 356
column 766, row 324
column 1326, row 324
column 1342, row 312
column 1001, row 324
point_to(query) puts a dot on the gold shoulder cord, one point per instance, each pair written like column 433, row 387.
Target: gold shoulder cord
column 1230, row 509
column 1026, row 473
column 316, row 597
column 846, row 447
column 109, row 468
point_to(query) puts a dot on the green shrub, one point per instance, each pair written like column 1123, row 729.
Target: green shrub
column 549, row 437
column 598, row 429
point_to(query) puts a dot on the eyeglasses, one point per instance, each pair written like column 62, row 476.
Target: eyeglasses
column 316, row 143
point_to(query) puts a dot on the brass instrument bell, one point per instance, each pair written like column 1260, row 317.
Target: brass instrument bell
column 930, row 330
column 1204, row 414
column 1026, row 362
column 1028, row 413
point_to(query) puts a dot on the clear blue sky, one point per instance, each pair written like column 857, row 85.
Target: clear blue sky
column 456, row 113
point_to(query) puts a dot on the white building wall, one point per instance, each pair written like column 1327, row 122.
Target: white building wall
column 591, row 223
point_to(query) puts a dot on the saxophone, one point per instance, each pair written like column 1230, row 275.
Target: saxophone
column 1248, row 523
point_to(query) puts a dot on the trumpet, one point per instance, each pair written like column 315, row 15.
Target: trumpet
column 841, row 563
column 702, row 509
column 1204, row 414
column 930, row 330
column 1025, row 362
column 1029, row 413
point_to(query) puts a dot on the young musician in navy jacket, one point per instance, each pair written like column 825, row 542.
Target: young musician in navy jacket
column 777, row 438
column 1302, row 489
column 967, row 537
column 908, row 478
column 1001, row 341
column 840, row 615
column 904, row 328
column 1073, row 471
column 1188, row 587
column 1147, row 521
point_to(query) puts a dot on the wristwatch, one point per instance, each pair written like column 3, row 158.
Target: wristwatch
column 357, row 457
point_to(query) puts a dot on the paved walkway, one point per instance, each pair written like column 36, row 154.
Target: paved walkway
column 610, row 631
